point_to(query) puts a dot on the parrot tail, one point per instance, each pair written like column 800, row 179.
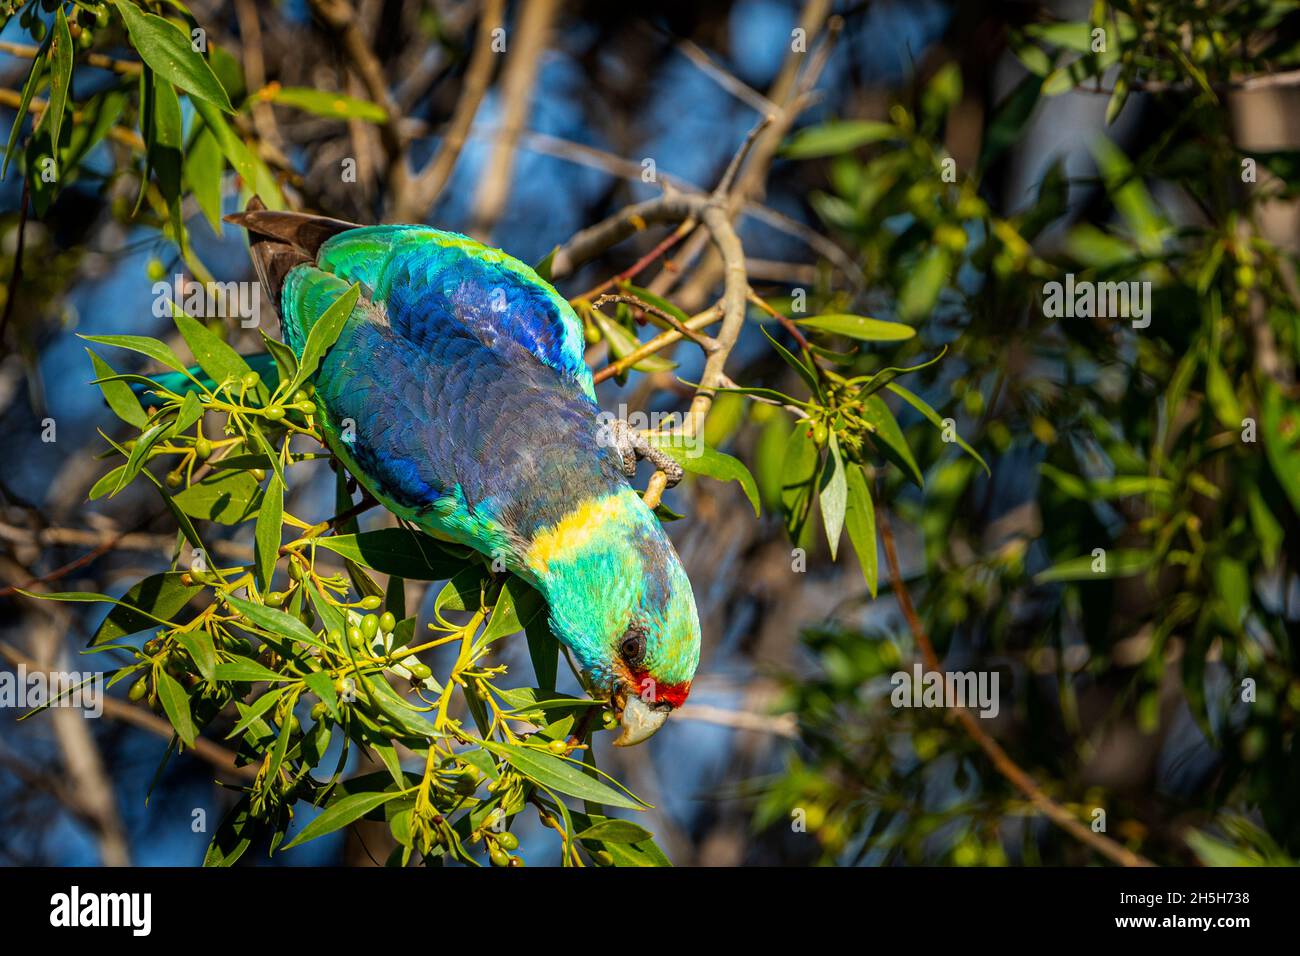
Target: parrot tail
column 278, row 241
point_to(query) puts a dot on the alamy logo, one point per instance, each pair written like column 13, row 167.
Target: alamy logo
column 83, row 690
column 74, row 909
column 1101, row 300
column 923, row 688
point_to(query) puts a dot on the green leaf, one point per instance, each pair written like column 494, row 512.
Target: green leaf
column 860, row 520
column 798, row 478
column 246, row 163
column 808, row 375
column 1116, row 486
column 560, row 775
column 543, row 268
column 833, row 496
column 702, row 460
column 227, row 497
column 60, row 78
column 859, row 327
column 1120, row 563
column 1132, row 200
column 405, row 553
column 833, row 138
column 245, row 670
column 159, row 597
column 202, row 171
column 921, row 290
column 118, row 395
column 1222, row 396
column 889, row 438
column 106, row 484
column 233, row 837
column 251, row 713
column 321, row 684
column 610, row 830
column 543, row 647
column 933, row 418
column 322, row 103
column 274, row 621
column 622, row 343
column 168, row 52
column 176, row 703
column 463, row 591
column 1280, row 427
column 156, row 350
column 505, row 618
column 140, row 452
column 324, row 333
column 219, row 360
column 201, row 650
column 32, row 83
column 266, row 534
column 339, row 814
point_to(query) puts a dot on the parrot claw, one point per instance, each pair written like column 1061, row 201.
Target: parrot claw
column 632, row 445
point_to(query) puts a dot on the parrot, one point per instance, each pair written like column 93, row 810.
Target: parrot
column 458, row 397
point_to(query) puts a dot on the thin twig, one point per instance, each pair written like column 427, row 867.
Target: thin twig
column 136, row 716
column 970, row 723
column 429, row 183
column 528, row 43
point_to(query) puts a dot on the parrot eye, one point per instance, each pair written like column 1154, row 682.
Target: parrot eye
column 633, row 646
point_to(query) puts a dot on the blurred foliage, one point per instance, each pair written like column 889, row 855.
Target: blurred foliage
column 1173, row 447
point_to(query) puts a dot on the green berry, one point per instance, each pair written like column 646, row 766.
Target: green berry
column 274, row 412
column 369, row 626
column 155, row 270
column 355, row 638
column 387, row 621
column 558, row 746
column 275, row 598
column 258, row 474
column 334, row 636
column 318, row 711
column 307, row 408
column 299, row 397
column 370, row 602
column 86, row 40
column 101, row 15
column 819, row 433
column 250, row 380
column 420, row 671
column 139, row 689
column 174, row 478
column 603, row 857
column 202, row 447
column 508, row 841
column 499, row 857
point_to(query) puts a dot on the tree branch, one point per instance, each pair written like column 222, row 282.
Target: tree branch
column 992, row 749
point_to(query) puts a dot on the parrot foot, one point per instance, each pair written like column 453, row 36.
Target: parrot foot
column 632, row 445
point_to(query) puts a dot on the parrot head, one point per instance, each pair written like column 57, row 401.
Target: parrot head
column 621, row 601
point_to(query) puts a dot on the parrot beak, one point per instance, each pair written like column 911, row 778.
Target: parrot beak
column 641, row 720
